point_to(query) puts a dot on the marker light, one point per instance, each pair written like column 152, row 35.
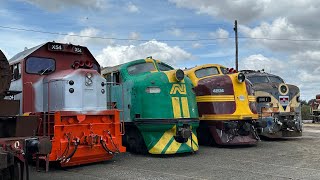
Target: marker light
column 88, row 64
column 153, row 90
column 76, row 65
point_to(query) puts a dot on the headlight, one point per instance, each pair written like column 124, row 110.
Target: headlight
column 153, row 90
column 241, row 77
column 283, row 89
column 179, row 75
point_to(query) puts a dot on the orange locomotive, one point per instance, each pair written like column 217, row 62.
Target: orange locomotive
column 61, row 83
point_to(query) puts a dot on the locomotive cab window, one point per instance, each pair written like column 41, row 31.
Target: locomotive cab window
column 140, row 68
column 37, row 65
column 16, row 71
column 275, row 79
column 206, row 72
column 113, row 77
column 223, row 70
column 164, row 67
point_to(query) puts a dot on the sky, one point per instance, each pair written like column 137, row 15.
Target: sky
column 279, row 36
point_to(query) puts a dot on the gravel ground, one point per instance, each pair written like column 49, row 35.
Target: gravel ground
column 294, row 158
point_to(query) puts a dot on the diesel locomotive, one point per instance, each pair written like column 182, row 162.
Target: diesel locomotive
column 278, row 105
column 315, row 109
column 17, row 139
column 226, row 105
column 158, row 104
column 62, row 85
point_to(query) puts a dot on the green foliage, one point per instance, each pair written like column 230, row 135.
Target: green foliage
column 305, row 112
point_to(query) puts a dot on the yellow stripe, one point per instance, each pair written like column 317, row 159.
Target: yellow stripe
column 176, row 107
column 163, row 141
column 185, row 107
column 173, row 148
column 252, row 98
column 195, row 139
column 216, row 98
column 214, row 117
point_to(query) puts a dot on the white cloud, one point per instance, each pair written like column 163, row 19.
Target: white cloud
column 259, row 62
column 295, row 19
column 113, row 55
column 196, row 45
column 90, row 36
column 280, row 28
column 56, row 5
column 132, row 8
column 301, row 69
column 134, row 35
column 175, row 31
column 219, row 33
column 243, row 10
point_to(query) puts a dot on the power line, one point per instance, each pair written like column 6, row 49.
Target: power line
column 100, row 37
column 145, row 40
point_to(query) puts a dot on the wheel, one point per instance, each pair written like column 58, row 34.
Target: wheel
column 204, row 135
column 135, row 142
column 16, row 171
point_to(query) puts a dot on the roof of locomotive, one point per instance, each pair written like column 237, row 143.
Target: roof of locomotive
column 23, row 54
column 255, row 73
column 250, row 72
column 110, row 69
column 202, row 66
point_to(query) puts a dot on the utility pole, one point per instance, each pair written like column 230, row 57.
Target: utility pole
column 236, row 41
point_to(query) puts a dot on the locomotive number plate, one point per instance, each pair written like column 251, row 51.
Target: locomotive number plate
column 77, row 49
column 263, row 99
column 55, row 47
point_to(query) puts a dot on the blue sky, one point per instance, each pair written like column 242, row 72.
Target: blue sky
column 150, row 23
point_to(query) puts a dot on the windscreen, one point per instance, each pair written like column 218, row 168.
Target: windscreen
column 164, row 67
column 275, row 79
column 258, row 79
column 206, row 72
column 141, row 68
column 39, row 65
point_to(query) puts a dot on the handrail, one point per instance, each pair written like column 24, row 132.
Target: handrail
column 109, row 103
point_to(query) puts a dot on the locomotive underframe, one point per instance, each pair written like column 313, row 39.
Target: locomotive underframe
column 162, row 136
column 233, row 132
column 315, row 116
column 283, row 124
column 82, row 138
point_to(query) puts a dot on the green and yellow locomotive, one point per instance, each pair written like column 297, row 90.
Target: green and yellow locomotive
column 159, row 106
column 278, row 105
